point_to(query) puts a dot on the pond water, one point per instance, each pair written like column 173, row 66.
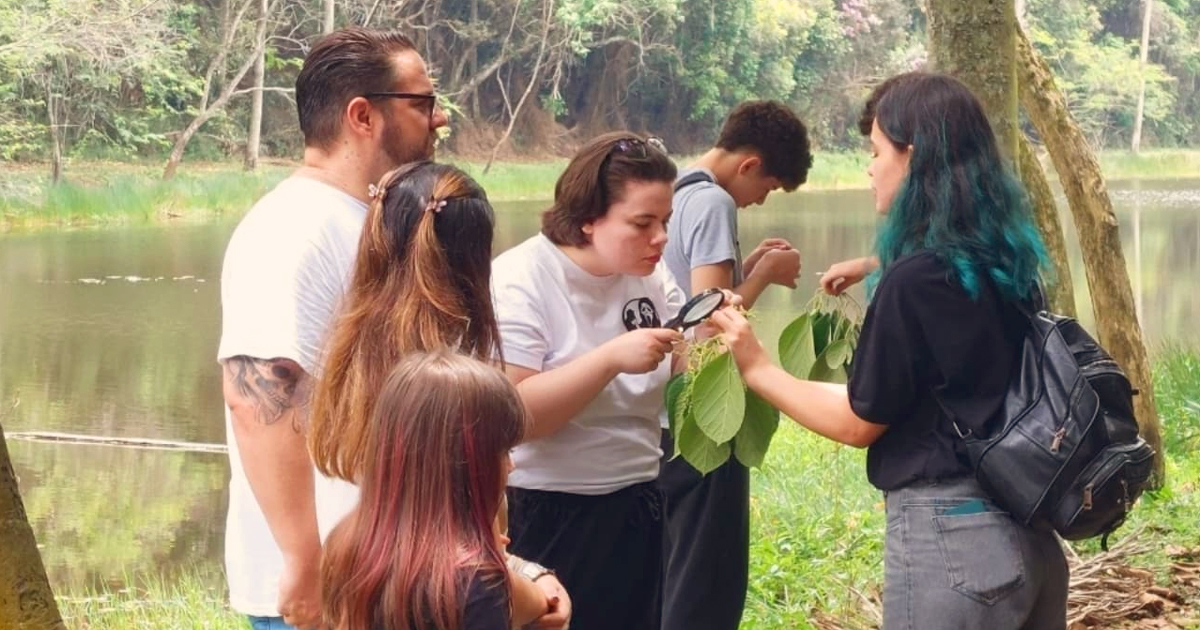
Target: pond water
column 113, row 332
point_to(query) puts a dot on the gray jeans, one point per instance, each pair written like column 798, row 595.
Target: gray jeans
column 955, row 564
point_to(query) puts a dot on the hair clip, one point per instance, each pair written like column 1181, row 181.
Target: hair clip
column 435, row 205
column 374, row 192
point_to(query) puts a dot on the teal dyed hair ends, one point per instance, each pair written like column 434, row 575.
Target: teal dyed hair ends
column 960, row 199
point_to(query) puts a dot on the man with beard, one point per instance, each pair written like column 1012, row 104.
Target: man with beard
column 366, row 106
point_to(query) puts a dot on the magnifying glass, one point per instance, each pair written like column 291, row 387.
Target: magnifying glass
column 697, row 309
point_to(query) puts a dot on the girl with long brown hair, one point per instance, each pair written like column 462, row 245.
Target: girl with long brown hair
column 421, row 283
column 420, row 551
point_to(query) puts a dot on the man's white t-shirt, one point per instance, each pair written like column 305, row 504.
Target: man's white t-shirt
column 286, row 267
column 550, row 312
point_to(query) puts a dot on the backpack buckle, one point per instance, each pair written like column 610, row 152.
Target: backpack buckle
column 1087, row 497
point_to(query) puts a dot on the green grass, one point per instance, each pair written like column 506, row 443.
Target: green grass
column 817, row 529
column 1152, row 164
column 514, row 181
column 97, row 193
column 196, row 600
column 104, row 193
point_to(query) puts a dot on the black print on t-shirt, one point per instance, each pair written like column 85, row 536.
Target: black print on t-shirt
column 640, row 313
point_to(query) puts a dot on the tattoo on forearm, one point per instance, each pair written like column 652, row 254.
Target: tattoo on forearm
column 273, row 387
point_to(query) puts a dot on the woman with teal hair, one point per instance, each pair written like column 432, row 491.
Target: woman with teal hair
column 958, row 252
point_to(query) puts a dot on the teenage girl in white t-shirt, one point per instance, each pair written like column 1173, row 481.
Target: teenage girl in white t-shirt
column 580, row 308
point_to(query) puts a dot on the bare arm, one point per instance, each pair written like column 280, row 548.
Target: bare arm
column 266, row 398
column 555, row 396
column 528, row 601
column 544, row 601
column 720, row 275
column 841, row 276
column 823, row 408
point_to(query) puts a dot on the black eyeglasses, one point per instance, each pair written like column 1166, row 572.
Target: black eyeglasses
column 431, row 99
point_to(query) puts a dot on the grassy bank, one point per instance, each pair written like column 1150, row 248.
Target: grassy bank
column 97, row 193
column 817, row 539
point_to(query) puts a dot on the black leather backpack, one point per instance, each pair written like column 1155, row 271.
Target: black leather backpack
column 1065, row 453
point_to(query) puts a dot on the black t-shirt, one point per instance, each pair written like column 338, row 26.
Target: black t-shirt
column 486, row 606
column 929, row 354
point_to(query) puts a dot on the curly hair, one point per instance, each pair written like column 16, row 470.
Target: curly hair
column 776, row 134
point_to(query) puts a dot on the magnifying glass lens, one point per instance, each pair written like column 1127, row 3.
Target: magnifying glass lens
column 703, row 308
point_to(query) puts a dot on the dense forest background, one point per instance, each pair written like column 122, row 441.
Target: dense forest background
column 125, row 79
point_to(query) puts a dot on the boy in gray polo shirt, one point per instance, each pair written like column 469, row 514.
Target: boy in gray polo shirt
column 762, row 147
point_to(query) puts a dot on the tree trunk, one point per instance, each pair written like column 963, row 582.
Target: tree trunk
column 208, row 110
column 1061, row 292
column 26, row 601
column 53, row 128
column 254, row 139
column 1099, row 238
column 476, row 112
column 330, row 14
column 975, row 42
column 533, row 80
column 1141, row 105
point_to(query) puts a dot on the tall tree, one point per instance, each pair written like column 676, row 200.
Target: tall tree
column 1099, row 236
column 26, row 601
column 976, row 42
column 206, row 110
column 74, row 57
column 1061, row 289
column 1148, row 8
column 254, row 138
column 330, row 15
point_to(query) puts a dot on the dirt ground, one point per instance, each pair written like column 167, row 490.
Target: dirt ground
column 1111, row 590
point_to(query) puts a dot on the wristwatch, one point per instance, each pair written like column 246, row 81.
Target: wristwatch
column 532, row 570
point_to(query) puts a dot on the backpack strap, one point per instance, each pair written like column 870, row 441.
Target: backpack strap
column 695, row 177
column 1035, row 304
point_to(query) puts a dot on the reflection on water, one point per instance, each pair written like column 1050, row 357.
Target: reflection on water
column 114, row 332
column 103, row 513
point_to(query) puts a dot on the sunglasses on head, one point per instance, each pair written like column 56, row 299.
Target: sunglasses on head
column 637, row 148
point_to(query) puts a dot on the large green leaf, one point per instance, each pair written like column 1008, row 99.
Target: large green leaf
column 698, row 449
column 796, row 351
column 751, row 442
column 837, row 354
column 822, row 330
column 677, row 405
column 719, row 399
column 822, row 372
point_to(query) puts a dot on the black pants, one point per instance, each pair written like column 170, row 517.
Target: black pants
column 707, row 543
column 606, row 549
